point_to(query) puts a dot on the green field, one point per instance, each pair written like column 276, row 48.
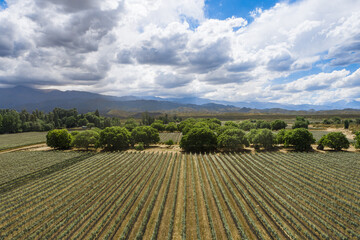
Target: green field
column 17, row 164
column 190, row 196
column 21, row 139
column 166, row 136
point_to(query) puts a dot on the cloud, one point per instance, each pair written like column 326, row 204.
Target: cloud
column 170, row 80
column 168, row 47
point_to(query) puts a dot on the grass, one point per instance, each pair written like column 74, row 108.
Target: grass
column 8, row 141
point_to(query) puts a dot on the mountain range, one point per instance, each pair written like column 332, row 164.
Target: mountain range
column 21, row 97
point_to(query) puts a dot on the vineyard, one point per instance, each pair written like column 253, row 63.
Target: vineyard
column 21, row 139
column 166, row 136
column 190, row 196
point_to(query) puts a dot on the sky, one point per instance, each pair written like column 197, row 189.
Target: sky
column 298, row 51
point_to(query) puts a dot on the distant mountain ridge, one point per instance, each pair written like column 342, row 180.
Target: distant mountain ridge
column 20, row 97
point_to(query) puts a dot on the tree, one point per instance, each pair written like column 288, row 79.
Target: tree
column 11, row 122
column 130, row 124
column 280, row 136
column 261, row 124
column 264, row 138
column 278, row 124
column 97, row 113
column 199, row 139
column 114, row 138
column 346, row 124
column 59, row 139
column 158, row 124
column 186, row 123
column 1, row 121
column 300, row 138
column 335, row 140
column 301, row 122
column 83, row 122
column 70, row 122
column 246, row 125
column 171, row 127
column 86, row 139
column 145, row 134
column 232, row 139
column 231, row 124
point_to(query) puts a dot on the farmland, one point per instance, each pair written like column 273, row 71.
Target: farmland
column 166, row 136
column 21, row 139
column 193, row 196
column 17, row 164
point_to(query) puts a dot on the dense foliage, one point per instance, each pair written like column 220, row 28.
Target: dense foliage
column 59, row 139
column 171, row 127
column 278, row 124
column 145, row 135
column 86, row 139
column 232, row 139
column 261, row 138
column 335, row 140
column 301, row 122
column 199, row 140
column 13, row 122
column 300, row 138
column 114, row 138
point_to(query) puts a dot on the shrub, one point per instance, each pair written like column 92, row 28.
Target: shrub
column 171, row 127
column 278, row 124
column 300, row 138
column 139, row 147
column 335, row 140
column 232, row 139
column 86, row 139
column 74, row 133
column 199, row 139
column 346, row 124
column 169, row 142
column 59, row 139
column 145, row 134
column 114, row 138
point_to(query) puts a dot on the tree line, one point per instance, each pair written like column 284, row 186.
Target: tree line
column 12, row 121
column 199, row 135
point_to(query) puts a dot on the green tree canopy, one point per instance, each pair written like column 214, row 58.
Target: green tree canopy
column 171, row 127
column 59, row 139
column 246, row 125
column 232, row 139
column 145, row 134
column 199, row 139
column 300, row 138
column 335, row 140
column 114, row 138
column 86, row 139
column 158, row 124
column 130, row 124
column 278, row 124
column 264, row 138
